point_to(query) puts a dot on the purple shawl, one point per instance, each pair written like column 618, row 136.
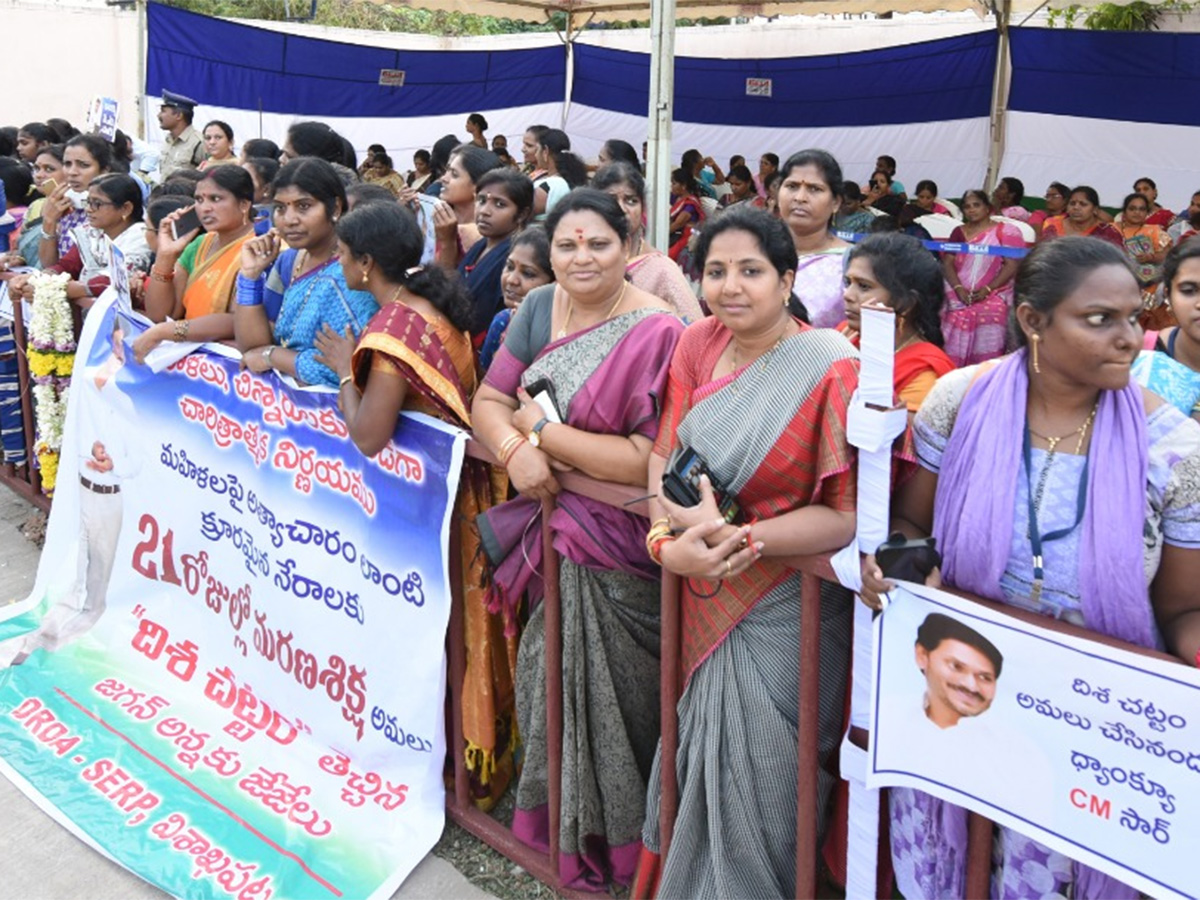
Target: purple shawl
column 620, row 397
column 973, row 516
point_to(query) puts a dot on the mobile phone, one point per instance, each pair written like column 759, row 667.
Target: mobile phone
column 908, row 560
column 681, row 483
column 189, row 221
column 49, row 186
column 542, row 393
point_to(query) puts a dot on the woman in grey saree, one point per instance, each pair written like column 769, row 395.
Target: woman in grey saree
column 763, row 398
column 607, row 366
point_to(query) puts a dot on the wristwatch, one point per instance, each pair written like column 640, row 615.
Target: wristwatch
column 535, row 433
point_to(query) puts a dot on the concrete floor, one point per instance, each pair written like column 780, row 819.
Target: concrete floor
column 41, row 860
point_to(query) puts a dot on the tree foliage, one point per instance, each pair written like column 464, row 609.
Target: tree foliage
column 372, row 16
column 1136, row 16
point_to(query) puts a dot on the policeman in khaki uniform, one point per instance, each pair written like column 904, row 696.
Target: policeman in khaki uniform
column 183, row 148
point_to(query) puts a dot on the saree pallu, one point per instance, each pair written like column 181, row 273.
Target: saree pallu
column 656, row 274
column 773, row 435
column 819, row 286
column 607, row 380
column 1056, row 227
column 438, row 365
column 212, row 281
column 977, row 332
column 306, row 303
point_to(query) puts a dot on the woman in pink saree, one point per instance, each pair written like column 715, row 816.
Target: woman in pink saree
column 978, row 285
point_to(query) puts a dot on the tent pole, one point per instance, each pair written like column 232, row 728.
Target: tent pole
column 569, row 43
column 1000, row 93
column 662, row 93
column 141, row 106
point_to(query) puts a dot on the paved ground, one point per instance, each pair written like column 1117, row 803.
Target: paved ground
column 41, row 860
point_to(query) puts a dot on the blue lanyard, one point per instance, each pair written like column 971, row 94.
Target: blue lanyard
column 1036, row 538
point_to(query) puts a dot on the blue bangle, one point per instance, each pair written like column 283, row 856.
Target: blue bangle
column 249, row 293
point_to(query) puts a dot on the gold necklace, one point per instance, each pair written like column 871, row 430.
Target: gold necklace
column 766, row 357
column 911, row 339
column 1081, row 431
column 562, row 332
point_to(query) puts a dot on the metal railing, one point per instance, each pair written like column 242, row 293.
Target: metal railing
column 813, row 569
column 25, row 482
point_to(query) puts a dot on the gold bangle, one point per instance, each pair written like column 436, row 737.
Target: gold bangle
column 180, row 332
column 160, row 276
column 655, row 549
column 512, row 450
column 344, row 380
column 507, row 445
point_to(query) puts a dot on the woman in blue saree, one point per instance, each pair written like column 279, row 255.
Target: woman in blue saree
column 286, row 296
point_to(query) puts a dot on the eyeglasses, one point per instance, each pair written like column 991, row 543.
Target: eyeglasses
column 94, row 204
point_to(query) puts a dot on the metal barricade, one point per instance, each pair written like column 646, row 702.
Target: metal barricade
column 543, row 866
column 814, row 569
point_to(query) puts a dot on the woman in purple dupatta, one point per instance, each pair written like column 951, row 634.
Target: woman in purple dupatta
column 1124, row 565
column 597, row 350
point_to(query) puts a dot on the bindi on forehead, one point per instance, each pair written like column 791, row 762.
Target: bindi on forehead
column 579, row 234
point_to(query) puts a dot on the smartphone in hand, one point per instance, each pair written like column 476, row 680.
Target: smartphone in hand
column 188, row 222
column 908, row 560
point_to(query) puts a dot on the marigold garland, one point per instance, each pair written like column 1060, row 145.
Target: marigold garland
column 51, row 361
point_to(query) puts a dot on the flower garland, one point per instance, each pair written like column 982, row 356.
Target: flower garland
column 51, row 361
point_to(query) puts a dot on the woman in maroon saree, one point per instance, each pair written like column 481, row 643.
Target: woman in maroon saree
column 603, row 347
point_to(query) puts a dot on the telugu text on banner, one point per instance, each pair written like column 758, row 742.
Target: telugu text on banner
column 230, row 676
column 1092, row 750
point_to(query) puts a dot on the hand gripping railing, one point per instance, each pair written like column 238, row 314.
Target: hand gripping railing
column 813, row 570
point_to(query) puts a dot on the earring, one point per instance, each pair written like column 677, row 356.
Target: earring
column 364, row 278
column 1033, row 344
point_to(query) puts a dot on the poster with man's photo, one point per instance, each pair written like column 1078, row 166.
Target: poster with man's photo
column 1091, row 750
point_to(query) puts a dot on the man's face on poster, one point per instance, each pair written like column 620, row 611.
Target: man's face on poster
column 961, row 680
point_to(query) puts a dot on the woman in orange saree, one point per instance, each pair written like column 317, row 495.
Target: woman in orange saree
column 415, row 354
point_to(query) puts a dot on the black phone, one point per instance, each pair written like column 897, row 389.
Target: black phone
column 188, row 222
column 542, row 393
column 681, row 483
column 908, row 560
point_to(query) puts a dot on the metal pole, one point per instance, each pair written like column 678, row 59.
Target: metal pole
column 569, row 43
column 999, row 94
column 662, row 95
column 141, row 86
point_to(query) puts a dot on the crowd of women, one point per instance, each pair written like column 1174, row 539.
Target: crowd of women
column 528, row 306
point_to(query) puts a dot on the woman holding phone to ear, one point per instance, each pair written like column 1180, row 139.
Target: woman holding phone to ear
column 114, row 214
column 600, row 347
column 85, row 158
column 194, row 277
